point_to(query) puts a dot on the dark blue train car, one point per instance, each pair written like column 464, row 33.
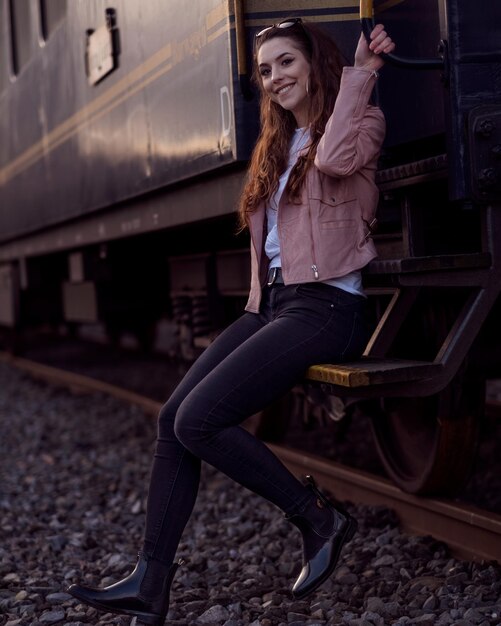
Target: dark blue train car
column 125, row 130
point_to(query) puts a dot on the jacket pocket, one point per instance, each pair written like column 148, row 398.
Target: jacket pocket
column 331, row 210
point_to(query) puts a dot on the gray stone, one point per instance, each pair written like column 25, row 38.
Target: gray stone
column 425, row 620
column 242, row 557
column 387, row 559
column 473, row 616
column 195, row 605
column 216, row 613
column 391, row 609
column 12, row 577
column 57, row 542
column 457, row 579
column 296, row 617
column 348, row 616
column 21, row 596
column 430, row 603
column 55, row 598
column 445, row 619
column 405, row 574
column 375, row 604
column 373, row 618
column 235, row 608
column 347, row 579
column 52, row 617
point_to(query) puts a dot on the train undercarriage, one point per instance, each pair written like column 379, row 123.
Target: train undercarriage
column 422, row 377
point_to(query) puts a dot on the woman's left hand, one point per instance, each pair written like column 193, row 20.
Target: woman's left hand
column 367, row 56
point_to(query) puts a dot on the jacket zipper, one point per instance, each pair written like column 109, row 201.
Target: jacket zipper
column 314, row 267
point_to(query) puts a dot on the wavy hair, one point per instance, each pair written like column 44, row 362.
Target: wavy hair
column 270, row 156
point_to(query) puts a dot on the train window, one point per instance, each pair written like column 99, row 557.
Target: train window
column 51, row 12
column 21, row 33
column 4, row 68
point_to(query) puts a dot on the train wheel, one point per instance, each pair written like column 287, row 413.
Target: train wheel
column 428, row 444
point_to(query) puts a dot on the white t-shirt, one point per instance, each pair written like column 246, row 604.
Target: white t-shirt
column 351, row 282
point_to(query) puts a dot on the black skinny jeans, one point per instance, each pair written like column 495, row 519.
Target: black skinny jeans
column 252, row 363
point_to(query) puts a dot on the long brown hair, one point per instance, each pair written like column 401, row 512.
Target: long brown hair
column 271, row 153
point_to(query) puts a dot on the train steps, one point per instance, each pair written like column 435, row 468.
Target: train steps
column 376, row 374
column 372, row 371
column 435, row 263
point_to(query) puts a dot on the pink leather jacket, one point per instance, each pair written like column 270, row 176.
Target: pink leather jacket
column 325, row 235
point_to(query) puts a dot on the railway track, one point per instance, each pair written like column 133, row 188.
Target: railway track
column 470, row 532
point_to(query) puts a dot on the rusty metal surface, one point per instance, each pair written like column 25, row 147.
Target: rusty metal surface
column 79, row 382
column 470, row 532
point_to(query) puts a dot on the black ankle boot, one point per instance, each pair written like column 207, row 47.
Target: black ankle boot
column 130, row 596
column 322, row 542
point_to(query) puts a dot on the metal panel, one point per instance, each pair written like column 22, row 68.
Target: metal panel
column 164, row 116
column 475, row 77
column 4, row 49
column 173, row 110
column 413, row 101
column 233, row 272
column 188, row 273
column 52, row 12
column 23, row 33
column 204, row 199
column 80, row 302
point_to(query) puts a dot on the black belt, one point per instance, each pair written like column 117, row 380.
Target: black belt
column 275, row 276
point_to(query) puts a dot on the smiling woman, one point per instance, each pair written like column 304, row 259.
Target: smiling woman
column 319, row 136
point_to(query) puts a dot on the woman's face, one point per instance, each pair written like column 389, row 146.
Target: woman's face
column 285, row 72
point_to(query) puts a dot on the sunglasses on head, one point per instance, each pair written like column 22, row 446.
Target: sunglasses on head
column 285, row 24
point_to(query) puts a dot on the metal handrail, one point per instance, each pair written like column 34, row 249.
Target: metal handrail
column 243, row 75
column 368, row 23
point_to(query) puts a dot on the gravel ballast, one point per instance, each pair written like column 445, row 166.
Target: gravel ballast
column 74, row 476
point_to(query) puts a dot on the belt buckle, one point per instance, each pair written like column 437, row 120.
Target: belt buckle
column 272, row 276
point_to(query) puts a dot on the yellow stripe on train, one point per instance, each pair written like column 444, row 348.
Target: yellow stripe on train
column 365, row 8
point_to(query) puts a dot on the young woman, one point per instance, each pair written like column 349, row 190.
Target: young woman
column 308, row 203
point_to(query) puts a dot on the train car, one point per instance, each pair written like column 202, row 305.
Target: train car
column 124, row 136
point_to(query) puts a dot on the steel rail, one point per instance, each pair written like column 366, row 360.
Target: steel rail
column 470, row 532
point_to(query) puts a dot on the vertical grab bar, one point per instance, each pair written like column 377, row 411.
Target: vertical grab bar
column 368, row 23
column 243, row 76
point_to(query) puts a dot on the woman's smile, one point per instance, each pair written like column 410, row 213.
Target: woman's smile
column 285, row 90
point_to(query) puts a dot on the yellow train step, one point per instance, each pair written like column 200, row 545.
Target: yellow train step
column 372, row 371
